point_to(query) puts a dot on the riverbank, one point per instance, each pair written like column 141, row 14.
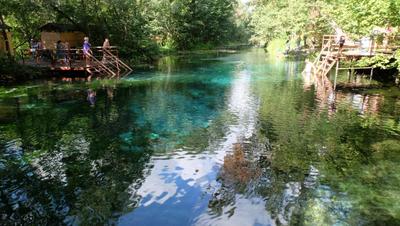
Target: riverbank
column 11, row 72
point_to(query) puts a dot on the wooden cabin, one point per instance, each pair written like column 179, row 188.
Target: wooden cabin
column 3, row 48
column 53, row 32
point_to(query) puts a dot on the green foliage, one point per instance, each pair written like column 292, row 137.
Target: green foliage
column 188, row 23
column 360, row 17
column 380, row 61
column 396, row 56
column 140, row 28
column 272, row 19
column 11, row 71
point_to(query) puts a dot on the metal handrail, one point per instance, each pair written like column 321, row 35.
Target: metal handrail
column 110, row 72
column 117, row 60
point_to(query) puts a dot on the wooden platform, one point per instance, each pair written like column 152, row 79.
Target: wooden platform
column 352, row 49
column 331, row 54
column 72, row 66
column 101, row 62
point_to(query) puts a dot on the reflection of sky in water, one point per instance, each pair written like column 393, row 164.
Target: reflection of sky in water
column 248, row 211
column 155, row 151
column 178, row 188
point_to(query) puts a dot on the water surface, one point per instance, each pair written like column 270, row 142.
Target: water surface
column 238, row 139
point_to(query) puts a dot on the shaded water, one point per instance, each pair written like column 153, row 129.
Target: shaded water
column 238, row 139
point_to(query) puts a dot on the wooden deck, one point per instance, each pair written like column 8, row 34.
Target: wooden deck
column 101, row 62
column 356, row 53
column 353, row 49
column 78, row 65
column 331, row 54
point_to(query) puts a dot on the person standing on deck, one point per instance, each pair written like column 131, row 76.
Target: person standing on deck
column 67, row 55
column 106, row 47
column 44, row 52
column 341, row 44
column 59, row 51
column 86, row 49
column 34, row 47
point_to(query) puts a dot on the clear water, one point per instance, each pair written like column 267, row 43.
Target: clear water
column 239, row 139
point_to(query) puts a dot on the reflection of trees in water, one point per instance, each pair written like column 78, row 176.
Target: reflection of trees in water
column 324, row 93
column 249, row 171
column 237, row 169
column 328, row 99
column 74, row 167
column 323, row 167
column 70, row 165
column 239, row 172
column 314, row 153
column 363, row 103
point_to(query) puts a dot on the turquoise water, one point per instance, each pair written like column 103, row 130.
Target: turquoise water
column 219, row 139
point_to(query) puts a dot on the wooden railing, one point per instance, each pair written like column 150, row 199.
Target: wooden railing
column 100, row 61
column 93, row 65
column 372, row 48
column 110, row 59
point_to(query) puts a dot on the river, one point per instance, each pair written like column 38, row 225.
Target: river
column 218, row 139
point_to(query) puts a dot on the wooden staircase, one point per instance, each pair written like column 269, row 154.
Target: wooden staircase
column 115, row 63
column 95, row 66
column 324, row 65
column 109, row 65
column 326, row 59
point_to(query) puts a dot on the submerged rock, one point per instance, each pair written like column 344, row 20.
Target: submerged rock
column 154, row 136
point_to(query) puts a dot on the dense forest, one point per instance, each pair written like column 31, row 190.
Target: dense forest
column 140, row 28
column 272, row 19
column 143, row 29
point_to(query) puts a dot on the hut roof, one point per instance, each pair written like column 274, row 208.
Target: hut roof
column 59, row 27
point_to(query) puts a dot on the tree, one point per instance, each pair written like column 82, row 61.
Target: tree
column 278, row 19
column 273, row 19
column 5, row 37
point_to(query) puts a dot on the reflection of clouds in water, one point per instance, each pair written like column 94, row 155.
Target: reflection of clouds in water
column 173, row 181
column 161, row 185
column 290, row 195
column 244, row 105
column 174, row 190
column 247, row 211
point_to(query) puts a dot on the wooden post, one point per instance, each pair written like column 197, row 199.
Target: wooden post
column 336, row 73
column 117, row 67
column 372, row 72
column 372, row 44
column 348, row 75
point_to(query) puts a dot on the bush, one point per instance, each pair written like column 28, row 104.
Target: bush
column 13, row 72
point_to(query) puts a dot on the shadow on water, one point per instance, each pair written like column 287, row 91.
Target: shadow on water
column 233, row 139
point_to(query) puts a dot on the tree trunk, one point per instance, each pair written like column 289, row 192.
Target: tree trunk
column 5, row 37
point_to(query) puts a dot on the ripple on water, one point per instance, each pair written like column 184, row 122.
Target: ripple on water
column 230, row 141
